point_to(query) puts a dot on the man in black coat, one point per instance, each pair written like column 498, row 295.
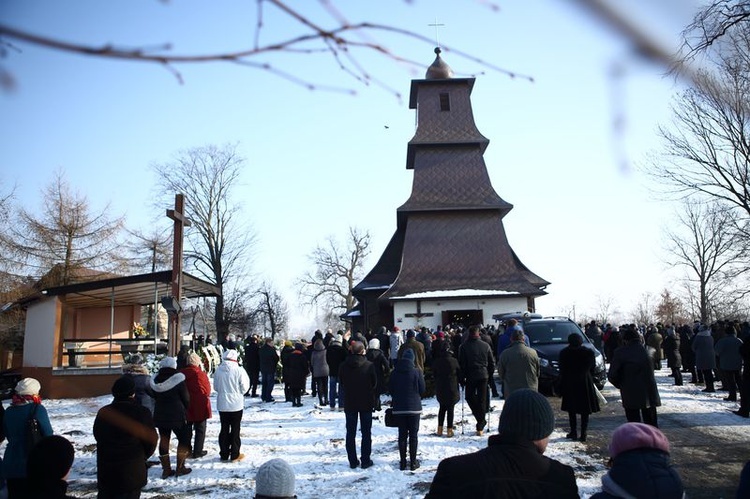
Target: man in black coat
column 477, row 365
column 632, row 372
column 125, row 438
column 269, row 359
column 252, row 363
column 358, row 379
column 512, row 464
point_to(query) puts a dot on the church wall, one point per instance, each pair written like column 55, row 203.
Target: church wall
column 488, row 306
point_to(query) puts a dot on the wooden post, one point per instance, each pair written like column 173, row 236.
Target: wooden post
column 180, row 222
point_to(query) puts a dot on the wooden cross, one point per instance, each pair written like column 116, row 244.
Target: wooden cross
column 437, row 38
column 180, row 222
column 418, row 315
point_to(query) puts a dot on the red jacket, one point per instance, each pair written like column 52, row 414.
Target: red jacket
column 199, row 388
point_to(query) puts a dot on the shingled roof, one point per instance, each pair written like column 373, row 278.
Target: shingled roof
column 450, row 235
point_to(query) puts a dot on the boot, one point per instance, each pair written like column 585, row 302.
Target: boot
column 573, row 435
column 584, row 426
column 181, row 468
column 166, row 466
column 449, row 433
column 402, row 455
column 413, row 461
column 440, row 431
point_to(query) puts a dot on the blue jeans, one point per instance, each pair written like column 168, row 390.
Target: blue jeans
column 267, row 381
column 335, row 392
column 365, row 420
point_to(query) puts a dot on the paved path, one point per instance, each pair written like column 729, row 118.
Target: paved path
column 708, row 462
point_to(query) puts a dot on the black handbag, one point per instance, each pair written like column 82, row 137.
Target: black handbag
column 390, row 418
column 33, row 431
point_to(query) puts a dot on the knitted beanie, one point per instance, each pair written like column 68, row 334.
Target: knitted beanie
column 630, row 436
column 168, row 362
column 408, row 354
column 275, row 478
column 230, row 355
column 374, row 343
column 123, row 387
column 528, row 415
column 28, row 386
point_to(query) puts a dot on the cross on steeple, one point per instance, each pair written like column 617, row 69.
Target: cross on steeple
column 437, row 28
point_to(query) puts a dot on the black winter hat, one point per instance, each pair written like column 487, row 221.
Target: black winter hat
column 123, row 388
column 50, row 459
column 528, row 415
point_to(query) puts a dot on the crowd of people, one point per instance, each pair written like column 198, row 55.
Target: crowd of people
column 351, row 372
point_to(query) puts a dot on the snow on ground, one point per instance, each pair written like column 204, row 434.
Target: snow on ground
column 312, row 441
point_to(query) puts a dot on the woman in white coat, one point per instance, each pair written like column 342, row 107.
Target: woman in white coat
column 231, row 382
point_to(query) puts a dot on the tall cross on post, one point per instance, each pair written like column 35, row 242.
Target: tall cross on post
column 437, row 27
column 418, row 315
column 180, row 222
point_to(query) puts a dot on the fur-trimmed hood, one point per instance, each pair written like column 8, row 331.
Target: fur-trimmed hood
column 166, row 379
column 134, row 369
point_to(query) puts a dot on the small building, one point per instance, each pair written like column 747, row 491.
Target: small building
column 77, row 336
column 449, row 260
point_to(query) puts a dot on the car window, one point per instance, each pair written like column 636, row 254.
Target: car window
column 550, row 332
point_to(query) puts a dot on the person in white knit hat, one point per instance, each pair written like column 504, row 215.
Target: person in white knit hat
column 275, row 479
column 26, row 404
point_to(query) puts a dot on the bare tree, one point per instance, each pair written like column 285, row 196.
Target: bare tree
column 218, row 242
column 712, row 25
column 271, row 311
column 148, row 252
column 336, row 269
column 704, row 244
column 65, row 237
column 327, row 31
column 707, row 148
column 643, row 312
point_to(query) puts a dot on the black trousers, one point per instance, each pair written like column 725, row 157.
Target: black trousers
column 476, row 398
column 229, row 434
column 647, row 416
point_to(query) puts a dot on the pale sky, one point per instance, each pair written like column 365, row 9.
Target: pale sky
column 321, row 161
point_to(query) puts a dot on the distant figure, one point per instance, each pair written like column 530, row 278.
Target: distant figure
column 446, row 372
column 335, row 355
column 512, row 464
column 170, row 415
column 518, row 366
column 477, row 365
column 413, row 344
column 595, row 334
column 671, row 347
column 577, row 388
column 199, row 409
column 231, row 382
column 639, row 465
column 358, row 379
column 269, row 359
column 142, row 378
column 252, row 363
column 382, row 369
column 320, row 371
column 407, row 386
column 632, row 372
column 730, row 362
column 705, row 357
column 274, row 479
column 48, row 468
column 26, row 403
column 125, row 438
column 395, row 340
column 296, row 373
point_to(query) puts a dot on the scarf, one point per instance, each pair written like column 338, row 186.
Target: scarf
column 25, row 399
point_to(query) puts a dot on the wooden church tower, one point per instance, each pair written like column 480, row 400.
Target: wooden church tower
column 449, row 260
